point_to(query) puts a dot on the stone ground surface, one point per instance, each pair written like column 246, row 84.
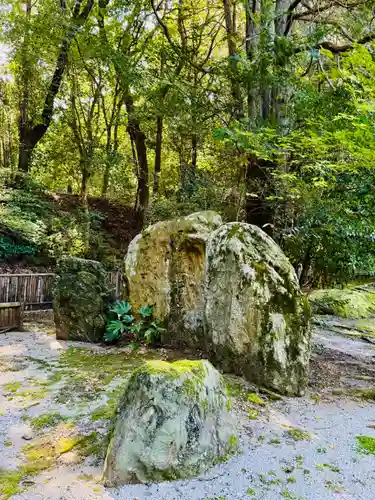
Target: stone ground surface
column 275, row 461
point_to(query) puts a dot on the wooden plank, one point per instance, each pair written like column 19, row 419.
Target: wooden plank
column 34, row 289
column 28, row 274
column 10, row 316
column 7, row 290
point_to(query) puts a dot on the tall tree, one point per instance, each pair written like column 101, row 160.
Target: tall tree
column 33, row 127
column 125, row 49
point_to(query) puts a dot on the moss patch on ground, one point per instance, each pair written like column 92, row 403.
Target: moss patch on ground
column 32, row 394
column 366, row 325
column 366, row 393
column 9, row 483
column 366, row 445
column 85, row 374
column 107, row 411
column 12, row 386
column 252, row 397
column 298, row 434
column 46, row 420
column 44, row 453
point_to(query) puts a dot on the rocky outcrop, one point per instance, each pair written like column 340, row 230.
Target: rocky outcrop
column 164, row 267
column 81, row 296
column 344, row 303
column 227, row 290
column 256, row 318
column 172, row 423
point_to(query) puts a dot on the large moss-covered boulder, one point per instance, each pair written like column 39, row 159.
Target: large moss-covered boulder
column 256, row 318
column 172, row 422
column 164, row 266
column 81, row 296
column 344, row 303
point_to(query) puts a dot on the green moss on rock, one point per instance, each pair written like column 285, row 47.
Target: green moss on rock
column 172, row 422
column 257, row 321
column 344, row 303
column 164, row 266
column 81, row 296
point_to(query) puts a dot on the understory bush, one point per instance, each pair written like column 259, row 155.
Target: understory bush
column 205, row 194
column 123, row 325
column 10, row 250
column 331, row 239
column 35, row 223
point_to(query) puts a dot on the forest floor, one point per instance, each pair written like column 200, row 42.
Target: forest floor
column 56, row 399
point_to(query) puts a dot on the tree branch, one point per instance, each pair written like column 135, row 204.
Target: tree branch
column 290, row 17
column 180, row 51
column 337, row 49
column 78, row 18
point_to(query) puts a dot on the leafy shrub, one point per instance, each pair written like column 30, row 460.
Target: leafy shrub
column 331, row 240
column 9, row 249
column 51, row 227
column 206, row 194
column 124, row 325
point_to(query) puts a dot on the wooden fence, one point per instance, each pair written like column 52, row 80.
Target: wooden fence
column 117, row 280
column 10, row 316
column 34, row 291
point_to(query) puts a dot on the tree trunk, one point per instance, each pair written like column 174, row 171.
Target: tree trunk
column 194, row 155
column 108, row 164
column 158, row 146
column 84, row 181
column 143, row 194
column 105, row 180
column 139, row 138
column 252, row 9
column 259, row 186
column 24, row 157
column 229, row 13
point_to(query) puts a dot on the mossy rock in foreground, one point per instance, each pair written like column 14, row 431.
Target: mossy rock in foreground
column 343, row 303
column 172, row 422
column 81, row 297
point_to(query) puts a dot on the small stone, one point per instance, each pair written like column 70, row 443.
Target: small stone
column 27, row 483
column 28, row 436
column 70, row 458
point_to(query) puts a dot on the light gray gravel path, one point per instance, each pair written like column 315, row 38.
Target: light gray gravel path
column 324, row 465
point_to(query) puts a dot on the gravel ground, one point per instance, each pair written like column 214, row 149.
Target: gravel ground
column 275, row 461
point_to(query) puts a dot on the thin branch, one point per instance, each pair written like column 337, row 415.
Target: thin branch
column 325, row 74
column 334, row 48
column 289, row 20
column 180, row 51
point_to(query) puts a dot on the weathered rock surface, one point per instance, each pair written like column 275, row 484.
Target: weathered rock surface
column 81, row 296
column 164, row 266
column 172, row 423
column 343, row 303
column 256, row 318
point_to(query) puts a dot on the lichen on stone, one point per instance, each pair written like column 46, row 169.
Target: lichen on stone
column 256, row 318
column 164, row 266
column 81, row 296
column 172, row 422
